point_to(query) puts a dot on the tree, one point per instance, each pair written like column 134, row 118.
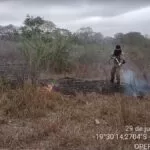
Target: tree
column 9, row 33
column 44, row 46
column 62, row 44
column 33, row 23
column 86, row 35
column 119, row 37
column 35, row 47
column 131, row 38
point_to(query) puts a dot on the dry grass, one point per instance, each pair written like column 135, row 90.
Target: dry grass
column 28, row 102
column 35, row 120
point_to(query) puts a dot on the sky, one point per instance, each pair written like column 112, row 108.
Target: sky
column 105, row 16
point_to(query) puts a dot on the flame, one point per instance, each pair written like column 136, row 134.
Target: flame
column 47, row 89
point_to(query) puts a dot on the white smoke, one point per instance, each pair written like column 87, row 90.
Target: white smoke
column 128, row 76
column 135, row 86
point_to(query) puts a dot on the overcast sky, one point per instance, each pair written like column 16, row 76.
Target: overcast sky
column 105, row 16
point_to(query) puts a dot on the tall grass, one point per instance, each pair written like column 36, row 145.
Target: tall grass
column 28, row 101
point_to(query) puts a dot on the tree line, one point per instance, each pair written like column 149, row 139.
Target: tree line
column 45, row 47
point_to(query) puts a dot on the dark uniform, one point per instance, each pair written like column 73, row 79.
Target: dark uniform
column 118, row 61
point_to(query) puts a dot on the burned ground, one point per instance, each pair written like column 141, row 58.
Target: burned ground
column 72, row 86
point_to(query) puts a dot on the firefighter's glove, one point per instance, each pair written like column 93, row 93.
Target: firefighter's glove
column 123, row 62
column 120, row 64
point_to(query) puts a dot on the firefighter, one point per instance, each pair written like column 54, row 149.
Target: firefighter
column 117, row 63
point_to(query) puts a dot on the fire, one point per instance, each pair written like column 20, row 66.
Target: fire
column 49, row 87
column 46, row 89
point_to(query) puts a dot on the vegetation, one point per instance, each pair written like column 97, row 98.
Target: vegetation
column 37, row 120
column 33, row 118
column 46, row 48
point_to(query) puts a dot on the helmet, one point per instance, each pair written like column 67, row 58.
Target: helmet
column 118, row 47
